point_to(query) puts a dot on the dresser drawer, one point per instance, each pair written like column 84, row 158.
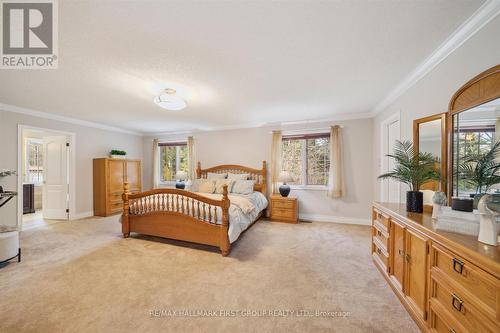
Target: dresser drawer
column 380, row 255
column 483, row 287
column 381, row 235
column 115, row 196
column 286, row 204
column 284, row 214
column 459, row 305
column 382, row 219
column 441, row 321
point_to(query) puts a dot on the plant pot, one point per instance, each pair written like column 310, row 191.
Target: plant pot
column 414, row 201
column 118, row 156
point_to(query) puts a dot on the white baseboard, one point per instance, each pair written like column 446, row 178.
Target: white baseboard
column 82, row 215
column 334, row 219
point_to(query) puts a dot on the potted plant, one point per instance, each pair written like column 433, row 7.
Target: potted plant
column 413, row 169
column 117, row 153
column 5, row 173
column 481, row 171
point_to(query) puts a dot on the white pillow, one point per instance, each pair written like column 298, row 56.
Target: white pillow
column 238, row 176
column 213, row 175
column 219, row 183
column 204, row 186
column 243, row 186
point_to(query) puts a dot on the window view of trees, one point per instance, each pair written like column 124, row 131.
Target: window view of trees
column 307, row 159
column 471, row 142
column 172, row 159
column 34, row 167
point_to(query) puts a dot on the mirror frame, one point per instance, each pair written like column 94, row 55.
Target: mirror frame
column 481, row 89
column 444, row 142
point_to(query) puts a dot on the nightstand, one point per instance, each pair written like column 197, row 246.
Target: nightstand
column 284, row 209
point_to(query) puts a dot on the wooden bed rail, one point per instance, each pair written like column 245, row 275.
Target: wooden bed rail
column 177, row 214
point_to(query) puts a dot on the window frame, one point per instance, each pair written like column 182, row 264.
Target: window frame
column 177, row 144
column 304, row 161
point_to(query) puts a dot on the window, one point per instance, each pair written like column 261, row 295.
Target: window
column 173, row 158
column 307, row 158
column 34, row 161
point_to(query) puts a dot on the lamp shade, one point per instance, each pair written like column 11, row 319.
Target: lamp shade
column 285, row 177
column 181, row 175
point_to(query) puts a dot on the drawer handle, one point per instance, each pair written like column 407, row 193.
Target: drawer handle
column 408, row 258
column 457, row 303
column 453, row 331
column 379, row 233
column 458, row 266
column 401, row 253
column 378, row 251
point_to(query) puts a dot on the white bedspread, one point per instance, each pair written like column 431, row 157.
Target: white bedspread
column 242, row 212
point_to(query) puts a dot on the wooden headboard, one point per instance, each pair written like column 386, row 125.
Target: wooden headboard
column 258, row 175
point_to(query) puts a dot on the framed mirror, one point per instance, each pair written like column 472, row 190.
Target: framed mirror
column 430, row 136
column 473, row 131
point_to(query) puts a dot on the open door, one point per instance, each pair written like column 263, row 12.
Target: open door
column 55, row 186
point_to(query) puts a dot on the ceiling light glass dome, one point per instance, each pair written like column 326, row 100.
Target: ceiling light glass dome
column 170, row 101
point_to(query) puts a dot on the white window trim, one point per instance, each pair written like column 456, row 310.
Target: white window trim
column 169, row 183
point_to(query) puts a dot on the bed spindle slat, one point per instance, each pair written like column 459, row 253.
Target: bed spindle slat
column 209, row 213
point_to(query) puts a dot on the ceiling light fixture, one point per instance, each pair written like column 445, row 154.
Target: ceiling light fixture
column 169, row 100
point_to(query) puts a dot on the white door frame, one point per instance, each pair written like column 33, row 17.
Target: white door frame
column 383, row 136
column 72, row 169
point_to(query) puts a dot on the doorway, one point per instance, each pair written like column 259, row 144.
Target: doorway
column 390, row 190
column 46, row 186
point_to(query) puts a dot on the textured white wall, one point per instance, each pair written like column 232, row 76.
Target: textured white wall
column 90, row 143
column 432, row 93
column 251, row 146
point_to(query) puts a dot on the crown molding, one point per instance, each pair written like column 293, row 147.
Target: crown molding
column 281, row 125
column 70, row 120
column 482, row 16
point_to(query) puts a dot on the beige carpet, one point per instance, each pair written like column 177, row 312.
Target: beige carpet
column 83, row 277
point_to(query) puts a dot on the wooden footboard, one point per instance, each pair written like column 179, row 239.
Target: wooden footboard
column 178, row 214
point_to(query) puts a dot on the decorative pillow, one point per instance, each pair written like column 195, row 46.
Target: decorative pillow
column 238, row 176
column 243, row 186
column 219, row 183
column 213, row 175
column 206, row 186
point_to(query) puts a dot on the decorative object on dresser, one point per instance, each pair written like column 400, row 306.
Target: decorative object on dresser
column 109, row 178
column 115, row 153
column 28, row 198
column 180, row 176
column 489, row 225
column 189, row 216
column 462, row 204
column 414, row 169
column 285, row 177
column 447, row 282
column 284, row 209
column 439, row 200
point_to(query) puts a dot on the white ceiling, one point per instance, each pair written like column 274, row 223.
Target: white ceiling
column 244, row 63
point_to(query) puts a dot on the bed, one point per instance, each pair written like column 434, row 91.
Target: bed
column 203, row 218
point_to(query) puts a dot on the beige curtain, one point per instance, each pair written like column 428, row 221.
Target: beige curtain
column 191, row 158
column 336, row 184
column 156, row 164
column 275, row 160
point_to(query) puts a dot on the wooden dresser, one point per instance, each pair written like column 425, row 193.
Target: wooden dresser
column 284, row 209
column 109, row 177
column 448, row 282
